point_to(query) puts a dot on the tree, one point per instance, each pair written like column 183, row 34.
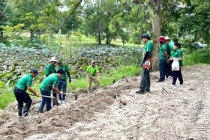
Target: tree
column 194, row 20
column 4, row 11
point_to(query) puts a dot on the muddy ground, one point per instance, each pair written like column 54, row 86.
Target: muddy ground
column 168, row 112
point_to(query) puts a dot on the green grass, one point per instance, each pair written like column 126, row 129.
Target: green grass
column 197, row 57
column 7, row 96
column 122, row 72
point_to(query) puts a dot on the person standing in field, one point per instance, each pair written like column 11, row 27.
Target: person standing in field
column 148, row 52
column 162, row 58
column 92, row 70
column 23, row 84
column 50, row 68
column 47, row 85
column 62, row 83
column 171, row 54
column 167, row 64
column 178, row 55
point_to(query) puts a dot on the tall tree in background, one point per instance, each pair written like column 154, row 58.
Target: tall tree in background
column 4, row 10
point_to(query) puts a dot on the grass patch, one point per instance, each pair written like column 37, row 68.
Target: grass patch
column 7, row 96
column 197, row 57
column 122, row 72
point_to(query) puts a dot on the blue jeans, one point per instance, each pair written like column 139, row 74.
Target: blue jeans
column 62, row 84
column 45, row 100
column 162, row 69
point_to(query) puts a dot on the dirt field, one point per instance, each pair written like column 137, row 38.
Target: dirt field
column 167, row 113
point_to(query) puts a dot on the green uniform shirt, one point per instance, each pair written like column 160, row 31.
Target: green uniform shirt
column 148, row 48
column 178, row 54
column 171, row 45
column 24, row 82
column 65, row 69
column 50, row 69
column 162, row 52
column 92, row 70
column 49, row 81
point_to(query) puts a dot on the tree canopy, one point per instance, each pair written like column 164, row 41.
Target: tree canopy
column 107, row 19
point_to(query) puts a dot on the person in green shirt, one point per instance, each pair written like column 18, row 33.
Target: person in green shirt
column 163, row 56
column 46, row 86
column 178, row 55
column 50, row 68
column 62, row 83
column 23, row 84
column 169, row 49
column 92, row 70
column 148, row 53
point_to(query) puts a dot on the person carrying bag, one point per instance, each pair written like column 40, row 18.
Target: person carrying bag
column 177, row 64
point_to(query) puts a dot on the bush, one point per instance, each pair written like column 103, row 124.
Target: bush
column 196, row 57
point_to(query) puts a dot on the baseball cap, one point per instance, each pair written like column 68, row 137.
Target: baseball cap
column 35, row 71
column 60, row 71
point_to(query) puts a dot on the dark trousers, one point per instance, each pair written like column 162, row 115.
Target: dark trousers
column 145, row 80
column 171, row 72
column 162, row 69
column 44, row 101
column 167, row 69
column 179, row 75
column 22, row 97
column 62, row 84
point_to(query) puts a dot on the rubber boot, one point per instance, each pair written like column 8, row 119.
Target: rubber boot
column 55, row 100
column 26, row 109
column 20, row 111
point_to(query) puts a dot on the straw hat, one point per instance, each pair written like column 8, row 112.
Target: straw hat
column 53, row 59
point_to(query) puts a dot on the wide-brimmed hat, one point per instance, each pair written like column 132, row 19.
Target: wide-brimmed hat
column 167, row 38
column 53, row 59
column 145, row 36
column 161, row 39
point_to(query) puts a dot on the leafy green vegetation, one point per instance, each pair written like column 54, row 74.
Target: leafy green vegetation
column 6, row 96
column 197, row 57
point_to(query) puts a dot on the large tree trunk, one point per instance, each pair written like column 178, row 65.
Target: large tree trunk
column 1, row 29
column 1, row 34
column 156, row 32
column 107, row 37
column 99, row 32
column 32, row 35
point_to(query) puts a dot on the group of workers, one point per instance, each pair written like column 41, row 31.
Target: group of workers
column 169, row 51
column 57, row 72
column 55, row 80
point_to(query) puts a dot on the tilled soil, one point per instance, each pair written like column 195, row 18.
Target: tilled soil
column 168, row 112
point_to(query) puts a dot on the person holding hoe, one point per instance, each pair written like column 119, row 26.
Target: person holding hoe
column 23, row 84
column 148, row 53
column 47, row 85
column 92, row 70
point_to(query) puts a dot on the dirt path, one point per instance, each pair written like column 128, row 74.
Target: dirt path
column 168, row 112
